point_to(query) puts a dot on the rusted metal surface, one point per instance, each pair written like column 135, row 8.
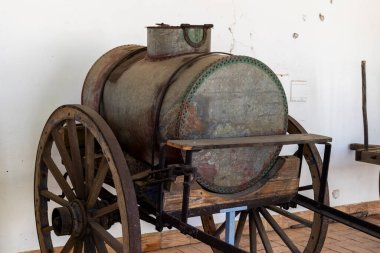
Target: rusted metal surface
column 130, row 100
column 165, row 41
column 206, row 99
column 83, row 212
column 92, row 90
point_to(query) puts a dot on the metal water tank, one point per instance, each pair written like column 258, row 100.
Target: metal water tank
column 177, row 89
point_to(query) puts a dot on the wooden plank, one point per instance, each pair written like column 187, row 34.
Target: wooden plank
column 248, row 141
column 284, row 183
column 151, row 241
column 173, row 238
column 369, row 156
column 356, row 146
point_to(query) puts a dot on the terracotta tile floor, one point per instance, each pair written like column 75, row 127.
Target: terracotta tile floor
column 340, row 238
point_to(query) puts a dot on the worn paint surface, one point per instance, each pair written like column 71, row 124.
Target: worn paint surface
column 131, row 96
column 234, row 97
column 92, row 90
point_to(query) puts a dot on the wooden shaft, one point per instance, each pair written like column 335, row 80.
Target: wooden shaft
column 364, row 105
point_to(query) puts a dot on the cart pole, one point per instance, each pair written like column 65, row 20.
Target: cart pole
column 364, row 105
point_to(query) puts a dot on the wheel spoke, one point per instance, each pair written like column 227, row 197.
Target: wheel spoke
column 305, row 188
column 59, row 177
column 279, row 231
column 106, row 236
column 252, row 234
column 69, row 245
column 105, row 210
column 209, row 227
column 99, row 244
column 65, row 157
column 98, row 182
column 47, row 230
column 89, row 246
column 222, row 227
column 75, row 156
column 208, row 224
column 89, row 159
column 78, row 246
column 240, row 227
column 262, row 233
column 49, row 195
column 291, row 216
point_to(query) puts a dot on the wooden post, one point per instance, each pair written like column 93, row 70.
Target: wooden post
column 364, row 105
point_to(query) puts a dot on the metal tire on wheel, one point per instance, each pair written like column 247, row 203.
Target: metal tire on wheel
column 317, row 226
column 79, row 156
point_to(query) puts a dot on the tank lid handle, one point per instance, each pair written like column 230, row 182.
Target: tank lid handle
column 192, row 36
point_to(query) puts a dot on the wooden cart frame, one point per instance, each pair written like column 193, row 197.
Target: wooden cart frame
column 92, row 158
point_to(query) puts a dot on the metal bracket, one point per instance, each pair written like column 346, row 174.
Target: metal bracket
column 230, row 222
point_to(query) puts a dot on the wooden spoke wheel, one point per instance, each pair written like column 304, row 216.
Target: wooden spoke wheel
column 82, row 186
column 313, row 229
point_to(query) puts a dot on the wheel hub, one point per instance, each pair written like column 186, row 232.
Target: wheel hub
column 70, row 220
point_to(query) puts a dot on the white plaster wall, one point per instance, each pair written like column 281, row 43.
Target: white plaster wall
column 47, row 47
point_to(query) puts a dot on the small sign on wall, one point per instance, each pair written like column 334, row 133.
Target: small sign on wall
column 298, row 91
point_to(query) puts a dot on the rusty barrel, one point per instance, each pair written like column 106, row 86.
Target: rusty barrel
column 177, row 89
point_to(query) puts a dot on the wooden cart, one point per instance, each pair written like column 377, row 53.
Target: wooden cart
column 86, row 180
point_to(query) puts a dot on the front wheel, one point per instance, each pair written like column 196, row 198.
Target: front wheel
column 82, row 186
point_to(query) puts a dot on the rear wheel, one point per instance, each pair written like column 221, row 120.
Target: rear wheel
column 82, row 186
column 314, row 226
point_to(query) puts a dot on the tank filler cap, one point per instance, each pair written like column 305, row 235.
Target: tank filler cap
column 167, row 41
